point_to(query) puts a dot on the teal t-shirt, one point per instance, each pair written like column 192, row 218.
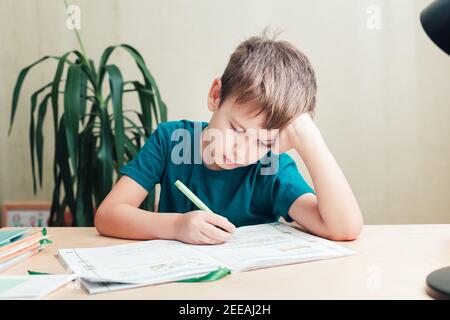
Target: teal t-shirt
column 245, row 195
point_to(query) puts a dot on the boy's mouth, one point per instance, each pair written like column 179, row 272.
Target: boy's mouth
column 229, row 163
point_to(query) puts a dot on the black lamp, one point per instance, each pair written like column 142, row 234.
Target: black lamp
column 435, row 21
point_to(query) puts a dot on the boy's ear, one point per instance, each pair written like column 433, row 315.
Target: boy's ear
column 214, row 94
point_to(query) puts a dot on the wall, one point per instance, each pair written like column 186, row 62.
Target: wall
column 383, row 100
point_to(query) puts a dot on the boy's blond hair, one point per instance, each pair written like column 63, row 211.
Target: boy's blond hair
column 274, row 76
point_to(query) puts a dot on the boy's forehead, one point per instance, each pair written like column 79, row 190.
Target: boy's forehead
column 249, row 115
column 253, row 123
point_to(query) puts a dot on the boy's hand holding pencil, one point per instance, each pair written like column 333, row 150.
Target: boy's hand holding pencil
column 202, row 226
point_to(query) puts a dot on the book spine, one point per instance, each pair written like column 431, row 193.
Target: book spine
column 19, row 252
column 21, row 241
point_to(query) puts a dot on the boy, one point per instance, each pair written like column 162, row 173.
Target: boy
column 261, row 107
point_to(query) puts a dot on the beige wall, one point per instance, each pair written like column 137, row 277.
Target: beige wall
column 383, row 101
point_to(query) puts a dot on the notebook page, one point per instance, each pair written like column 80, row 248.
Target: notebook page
column 271, row 244
column 149, row 262
column 99, row 287
column 31, row 287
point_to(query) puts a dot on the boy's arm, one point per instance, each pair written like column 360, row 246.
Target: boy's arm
column 119, row 215
column 334, row 213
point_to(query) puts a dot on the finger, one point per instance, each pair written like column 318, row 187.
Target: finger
column 220, row 221
column 215, row 233
column 205, row 239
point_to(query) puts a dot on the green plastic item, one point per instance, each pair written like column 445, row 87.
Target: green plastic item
column 212, row 276
column 33, row 273
column 45, row 241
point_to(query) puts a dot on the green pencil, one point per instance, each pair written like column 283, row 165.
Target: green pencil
column 191, row 196
column 188, row 193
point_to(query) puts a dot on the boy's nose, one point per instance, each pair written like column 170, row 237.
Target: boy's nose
column 239, row 152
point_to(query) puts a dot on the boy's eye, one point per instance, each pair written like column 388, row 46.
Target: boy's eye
column 238, row 130
column 265, row 144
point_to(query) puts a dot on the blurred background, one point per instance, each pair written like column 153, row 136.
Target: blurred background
column 383, row 86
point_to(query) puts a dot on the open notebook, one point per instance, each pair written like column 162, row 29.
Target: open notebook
column 158, row 261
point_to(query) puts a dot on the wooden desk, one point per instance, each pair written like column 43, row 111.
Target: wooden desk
column 393, row 263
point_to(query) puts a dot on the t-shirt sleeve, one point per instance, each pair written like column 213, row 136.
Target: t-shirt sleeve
column 288, row 185
column 147, row 167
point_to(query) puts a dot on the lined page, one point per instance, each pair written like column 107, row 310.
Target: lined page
column 271, row 244
column 152, row 261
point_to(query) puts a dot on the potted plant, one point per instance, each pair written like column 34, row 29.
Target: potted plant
column 94, row 135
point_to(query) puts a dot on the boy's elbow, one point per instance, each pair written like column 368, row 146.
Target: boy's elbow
column 349, row 233
column 99, row 221
column 345, row 236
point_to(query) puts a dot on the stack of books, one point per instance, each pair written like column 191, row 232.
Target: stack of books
column 18, row 244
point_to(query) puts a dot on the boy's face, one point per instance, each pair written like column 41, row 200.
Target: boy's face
column 235, row 136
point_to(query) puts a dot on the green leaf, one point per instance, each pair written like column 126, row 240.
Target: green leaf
column 18, row 86
column 72, row 111
column 55, row 111
column 150, row 82
column 137, row 139
column 44, row 231
column 86, row 70
column 62, row 158
column 40, row 136
column 102, row 65
column 116, row 87
column 144, row 99
column 163, row 110
column 55, row 89
column 93, row 74
column 83, row 95
column 136, row 127
column 34, row 98
column 84, row 213
column 131, row 147
column 104, row 164
column 54, row 210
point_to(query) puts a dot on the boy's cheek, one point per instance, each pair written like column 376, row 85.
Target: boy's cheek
column 280, row 149
column 276, row 151
column 253, row 154
column 256, row 154
column 282, row 143
column 276, row 148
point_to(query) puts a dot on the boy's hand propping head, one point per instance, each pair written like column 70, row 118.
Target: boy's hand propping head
column 291, row 136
